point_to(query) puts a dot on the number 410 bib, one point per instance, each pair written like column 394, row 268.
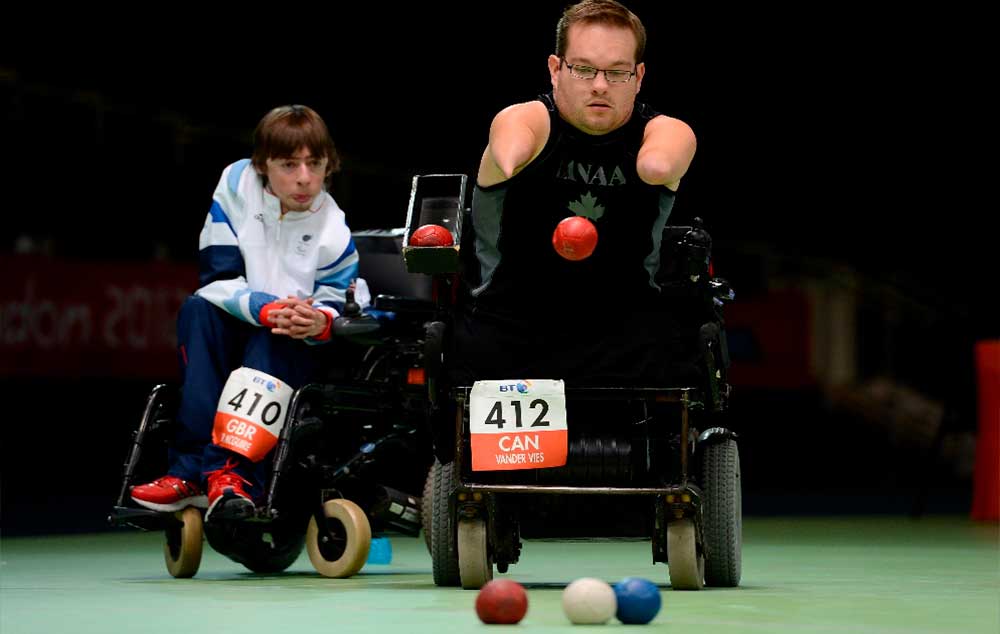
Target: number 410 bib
column 251, row 413
column 518, row 424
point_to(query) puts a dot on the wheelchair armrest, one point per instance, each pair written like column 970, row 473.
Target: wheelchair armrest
column 354, row 322
column 363, row 324
column 404, row 305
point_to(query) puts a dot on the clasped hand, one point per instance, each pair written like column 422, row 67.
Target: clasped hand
column 297, row 319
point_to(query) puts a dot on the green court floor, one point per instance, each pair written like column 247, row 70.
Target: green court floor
column 891, row 575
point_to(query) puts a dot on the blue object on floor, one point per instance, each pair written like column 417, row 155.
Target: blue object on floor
column 380, row 551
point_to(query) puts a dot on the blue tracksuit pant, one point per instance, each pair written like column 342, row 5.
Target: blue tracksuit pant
column 212, row 344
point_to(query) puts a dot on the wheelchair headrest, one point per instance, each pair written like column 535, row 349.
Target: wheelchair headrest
column 381, row 264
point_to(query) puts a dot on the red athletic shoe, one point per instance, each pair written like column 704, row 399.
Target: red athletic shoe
column 169, row 493
column 227, row 500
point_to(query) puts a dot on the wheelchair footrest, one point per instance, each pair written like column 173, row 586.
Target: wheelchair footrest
column 144, row 519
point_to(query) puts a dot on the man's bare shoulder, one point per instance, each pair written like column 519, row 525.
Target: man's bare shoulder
column 662, row 124
column 534, row 114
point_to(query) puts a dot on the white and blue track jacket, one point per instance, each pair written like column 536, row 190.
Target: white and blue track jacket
column 249, row 255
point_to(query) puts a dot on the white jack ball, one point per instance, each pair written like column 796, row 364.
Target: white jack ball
column 589, row 601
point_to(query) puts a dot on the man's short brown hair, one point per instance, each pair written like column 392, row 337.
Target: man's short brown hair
column 606, row 12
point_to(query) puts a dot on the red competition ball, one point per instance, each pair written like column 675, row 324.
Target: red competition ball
column 502, row 601
column 431, row 236
column 575, row 238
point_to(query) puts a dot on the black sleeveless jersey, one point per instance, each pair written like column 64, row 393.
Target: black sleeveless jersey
column 528, row 310
column 575, row 174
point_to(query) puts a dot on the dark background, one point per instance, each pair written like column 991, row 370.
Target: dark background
column 835, row 142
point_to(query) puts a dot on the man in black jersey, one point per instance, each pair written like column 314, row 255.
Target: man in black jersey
column 587, row 148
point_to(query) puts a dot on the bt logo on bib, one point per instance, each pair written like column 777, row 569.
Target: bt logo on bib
column 521, row 387
column 267, row 383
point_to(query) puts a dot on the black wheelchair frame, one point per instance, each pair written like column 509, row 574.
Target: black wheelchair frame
column 689, row 488
column 342, row 463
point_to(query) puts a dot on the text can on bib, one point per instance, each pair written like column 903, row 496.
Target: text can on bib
column 251, row 413
column 518, row 424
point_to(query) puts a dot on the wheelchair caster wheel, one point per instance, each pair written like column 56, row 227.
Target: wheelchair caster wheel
column 687, row 566
column 339, row 547
column 182, row 548
column 475, row 568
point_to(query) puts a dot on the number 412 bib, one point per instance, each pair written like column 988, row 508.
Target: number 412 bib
column 518, row 424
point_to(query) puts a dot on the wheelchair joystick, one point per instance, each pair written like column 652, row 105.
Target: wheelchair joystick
column 351, row 307
column 353, row 322
column 697, row 246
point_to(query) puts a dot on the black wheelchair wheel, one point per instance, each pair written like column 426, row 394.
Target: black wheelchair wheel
column 427, row 506
column 261, row 548
column 444, row 547
column 277, row 555
column 723, row 514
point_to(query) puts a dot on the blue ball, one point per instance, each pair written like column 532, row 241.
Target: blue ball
column 638, row 600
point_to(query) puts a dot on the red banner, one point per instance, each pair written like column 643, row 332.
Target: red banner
column 770, row 340
column 78, row 318
column 986, row 475
column 62, row 318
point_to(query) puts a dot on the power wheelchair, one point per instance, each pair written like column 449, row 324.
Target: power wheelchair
column 355, row 448
column 666, row 469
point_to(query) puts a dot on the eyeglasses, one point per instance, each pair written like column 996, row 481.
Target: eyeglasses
column 588, row 72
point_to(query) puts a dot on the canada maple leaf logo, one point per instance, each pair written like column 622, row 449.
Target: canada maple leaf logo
column 587, row 207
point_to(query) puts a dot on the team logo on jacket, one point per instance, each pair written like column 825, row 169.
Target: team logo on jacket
column 302, row 244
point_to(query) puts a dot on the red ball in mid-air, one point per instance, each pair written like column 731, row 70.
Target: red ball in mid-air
column 431, row 236
column 575, row 238
column 502, row 601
